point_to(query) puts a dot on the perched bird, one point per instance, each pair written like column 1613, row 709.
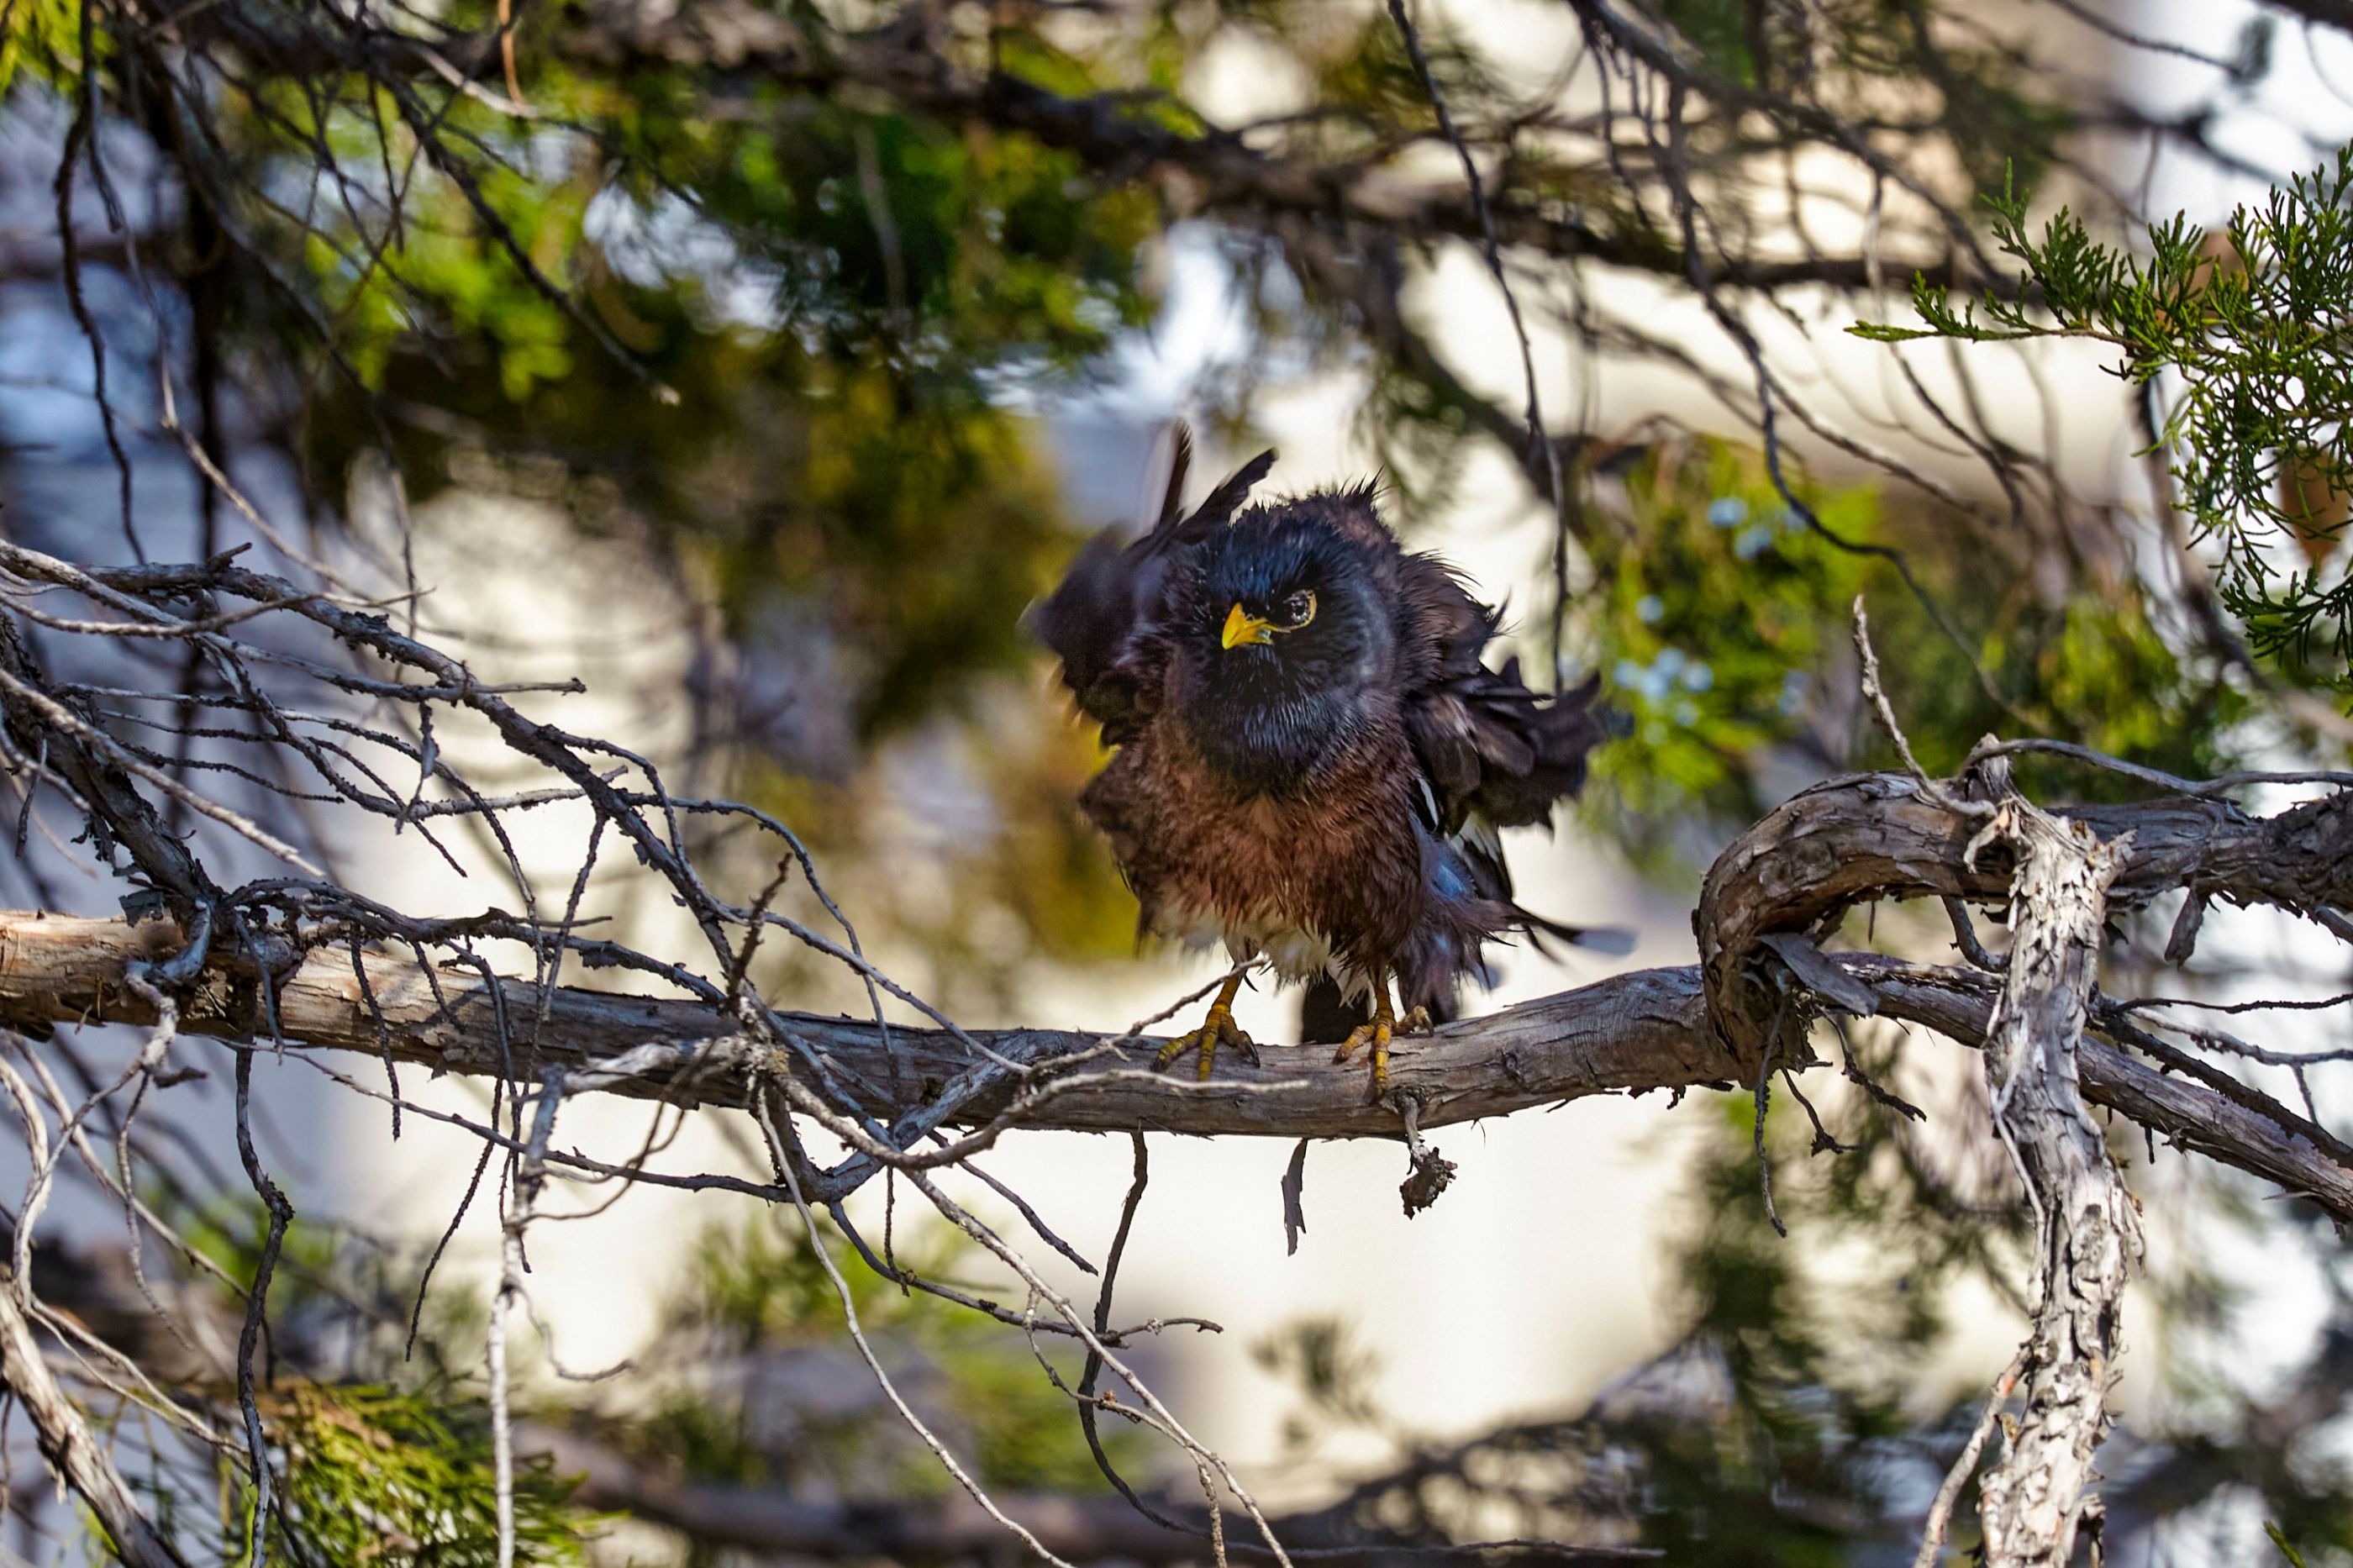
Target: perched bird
column 1312, row 759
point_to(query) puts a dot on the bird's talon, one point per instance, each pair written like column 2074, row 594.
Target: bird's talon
column 1217, row 1028
column 1416, row 1022
column 1377, row 1034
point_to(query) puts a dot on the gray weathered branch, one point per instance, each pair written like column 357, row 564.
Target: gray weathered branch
column 2032, row 1501
column 1878, row 836
column 1631, row 1033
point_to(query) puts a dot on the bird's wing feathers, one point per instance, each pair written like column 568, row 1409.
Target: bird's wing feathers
column 1495, row 750
column 1497, row 753
column 1105, row 620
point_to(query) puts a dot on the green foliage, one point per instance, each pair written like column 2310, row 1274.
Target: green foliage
column 754, row 1285
column 389, row 1466
column 1372, row 73
column 404, row 1480
column 366, row 1475
column 1722, row 622
column 2239, row 336
column 36, row 37
column 1715, row 607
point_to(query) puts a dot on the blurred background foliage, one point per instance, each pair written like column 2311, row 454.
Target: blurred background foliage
column 797, row 335
column 383, row 1440
column 762, row 1391
column 1726, row 620
column 797, row 345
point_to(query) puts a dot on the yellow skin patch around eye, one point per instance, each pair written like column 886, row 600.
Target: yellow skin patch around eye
column 1242, row 627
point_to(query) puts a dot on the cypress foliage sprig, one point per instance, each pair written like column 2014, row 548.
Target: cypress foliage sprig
column 2243, row 334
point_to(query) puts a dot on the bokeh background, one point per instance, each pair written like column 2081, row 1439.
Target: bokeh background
column 800, row 581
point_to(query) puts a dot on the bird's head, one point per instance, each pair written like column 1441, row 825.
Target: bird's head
column 1284, row 641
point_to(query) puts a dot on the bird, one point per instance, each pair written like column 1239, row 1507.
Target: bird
column 1311, row 760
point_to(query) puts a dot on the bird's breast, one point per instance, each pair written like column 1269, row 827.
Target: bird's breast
column 1323, row 880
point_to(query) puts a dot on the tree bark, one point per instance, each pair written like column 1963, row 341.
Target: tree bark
column 1878, row 836
column 1629, row 1034
column 1776, row 889
column 2033, row 1502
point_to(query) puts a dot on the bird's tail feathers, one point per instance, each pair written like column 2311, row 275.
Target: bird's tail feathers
column 1616, row 942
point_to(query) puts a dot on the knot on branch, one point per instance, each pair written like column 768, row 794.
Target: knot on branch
column 1781, row 888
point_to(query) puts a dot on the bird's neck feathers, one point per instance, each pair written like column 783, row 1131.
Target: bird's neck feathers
column 1272, row 737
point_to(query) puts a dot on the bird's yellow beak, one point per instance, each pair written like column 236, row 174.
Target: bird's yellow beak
column 1242, row 627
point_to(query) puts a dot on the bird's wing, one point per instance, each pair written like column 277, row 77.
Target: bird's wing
column 1494, row 754
column 1497, row 754
column 1105, row 622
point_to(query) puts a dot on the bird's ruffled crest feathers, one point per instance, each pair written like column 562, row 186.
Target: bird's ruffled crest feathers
column 1219, row 507
column 1180, row 463
column 1103, row 621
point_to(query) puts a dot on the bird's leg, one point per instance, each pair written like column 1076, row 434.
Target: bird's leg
column 1379, row 1033
column 1219, row 1028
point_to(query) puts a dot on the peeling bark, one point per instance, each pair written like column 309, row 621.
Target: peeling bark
column 2034, row 1499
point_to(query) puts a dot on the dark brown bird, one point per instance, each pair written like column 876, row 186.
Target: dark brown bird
column 1313, row 760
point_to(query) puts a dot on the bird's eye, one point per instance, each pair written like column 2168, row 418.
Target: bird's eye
column 1299, row 608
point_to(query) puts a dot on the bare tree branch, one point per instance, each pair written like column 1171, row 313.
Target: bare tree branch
column 72, row 1450
column 1632, row 1033
column 2033, row 1502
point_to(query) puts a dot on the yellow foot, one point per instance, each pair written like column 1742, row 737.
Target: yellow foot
column 1385, row 1027
column 1218, row 1029
column 1377, row 1034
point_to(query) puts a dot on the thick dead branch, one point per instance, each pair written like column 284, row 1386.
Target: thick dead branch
column 2243, row 1127
column 1635, row 1032
column 1877, row 836
column 1631, row 1033
column 2032, row 1501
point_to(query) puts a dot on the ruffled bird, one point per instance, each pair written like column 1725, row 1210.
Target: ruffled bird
column 1314, row 760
